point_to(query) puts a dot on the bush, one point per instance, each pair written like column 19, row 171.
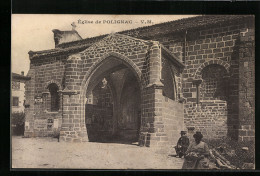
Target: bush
column 238, row 157
column 17, row 122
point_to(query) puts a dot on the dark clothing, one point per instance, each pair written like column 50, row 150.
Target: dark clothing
column 182, row 146
column 196, row 157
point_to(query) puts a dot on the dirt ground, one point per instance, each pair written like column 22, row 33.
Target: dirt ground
column 48, row 153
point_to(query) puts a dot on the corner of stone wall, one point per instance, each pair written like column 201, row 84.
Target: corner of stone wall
column 246, row 131
column 29, row 104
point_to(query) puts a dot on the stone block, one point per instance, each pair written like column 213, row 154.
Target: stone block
column 208, row 51
column 77, row 140
column 251, row 133
column 68, row 139
column 242, row 133
column 212, row 45
column 197, row 47
column 220, row 44
column 229, row 43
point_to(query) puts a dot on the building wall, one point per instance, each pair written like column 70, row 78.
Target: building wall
column 247, row 86
column 229, row 45
column 173, row 119
column 142, row 57
column 82, row 69
column 40, row 121
column 200, row 47
column 18, row 92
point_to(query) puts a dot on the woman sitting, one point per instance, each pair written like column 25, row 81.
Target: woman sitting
column 196, row 156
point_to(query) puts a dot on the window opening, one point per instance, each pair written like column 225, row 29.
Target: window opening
column 15, row 101
column 53, row 88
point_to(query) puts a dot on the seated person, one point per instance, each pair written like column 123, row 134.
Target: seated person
column 182, row 144
column 196, row 156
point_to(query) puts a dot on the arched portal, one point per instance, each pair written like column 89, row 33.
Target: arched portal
column 112, row 102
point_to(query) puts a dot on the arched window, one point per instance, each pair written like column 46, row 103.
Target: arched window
column 53, row 88
column 213, row 84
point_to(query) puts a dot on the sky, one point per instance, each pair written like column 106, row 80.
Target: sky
column 34, row 31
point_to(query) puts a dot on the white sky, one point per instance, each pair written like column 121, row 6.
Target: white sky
column 34, row 32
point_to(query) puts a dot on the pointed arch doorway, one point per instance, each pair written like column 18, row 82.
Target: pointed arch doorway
column 113, row 103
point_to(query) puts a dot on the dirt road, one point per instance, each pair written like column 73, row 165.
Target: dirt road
column 48, row 153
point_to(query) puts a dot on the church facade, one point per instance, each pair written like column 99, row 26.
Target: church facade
column 147, row 84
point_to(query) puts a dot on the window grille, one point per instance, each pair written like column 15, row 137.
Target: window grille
column 213, row 84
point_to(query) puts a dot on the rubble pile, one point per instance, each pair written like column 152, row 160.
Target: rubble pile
column 223, row 157
column 220, row 161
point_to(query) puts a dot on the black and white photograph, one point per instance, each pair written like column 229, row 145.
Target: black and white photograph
column 171, row 92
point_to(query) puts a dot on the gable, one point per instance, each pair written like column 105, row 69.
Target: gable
column 120, row 43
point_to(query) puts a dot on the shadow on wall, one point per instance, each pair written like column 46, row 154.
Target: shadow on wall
column 233, row 97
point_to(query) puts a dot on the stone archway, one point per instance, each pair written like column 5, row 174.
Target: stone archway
column 111, row 118
column 143, row 59
column 214, row 61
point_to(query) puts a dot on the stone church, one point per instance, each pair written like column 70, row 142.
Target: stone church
column 146, row 84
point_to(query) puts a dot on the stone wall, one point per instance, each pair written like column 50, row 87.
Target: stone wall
column 152, row 126
column 173, row 119
column 247, row 85
column 29, row 109
column 229, row 45
column 218, row 44
column 40, row 121
column 88, row 65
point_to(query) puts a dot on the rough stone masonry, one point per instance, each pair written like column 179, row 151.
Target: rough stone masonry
column 147, row 84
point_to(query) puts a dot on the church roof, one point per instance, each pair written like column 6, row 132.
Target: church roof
column 169, row 27
column 172, row 57
column 146, row 32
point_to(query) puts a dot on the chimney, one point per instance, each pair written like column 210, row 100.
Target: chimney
column 65, row 36
column 22, row 73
